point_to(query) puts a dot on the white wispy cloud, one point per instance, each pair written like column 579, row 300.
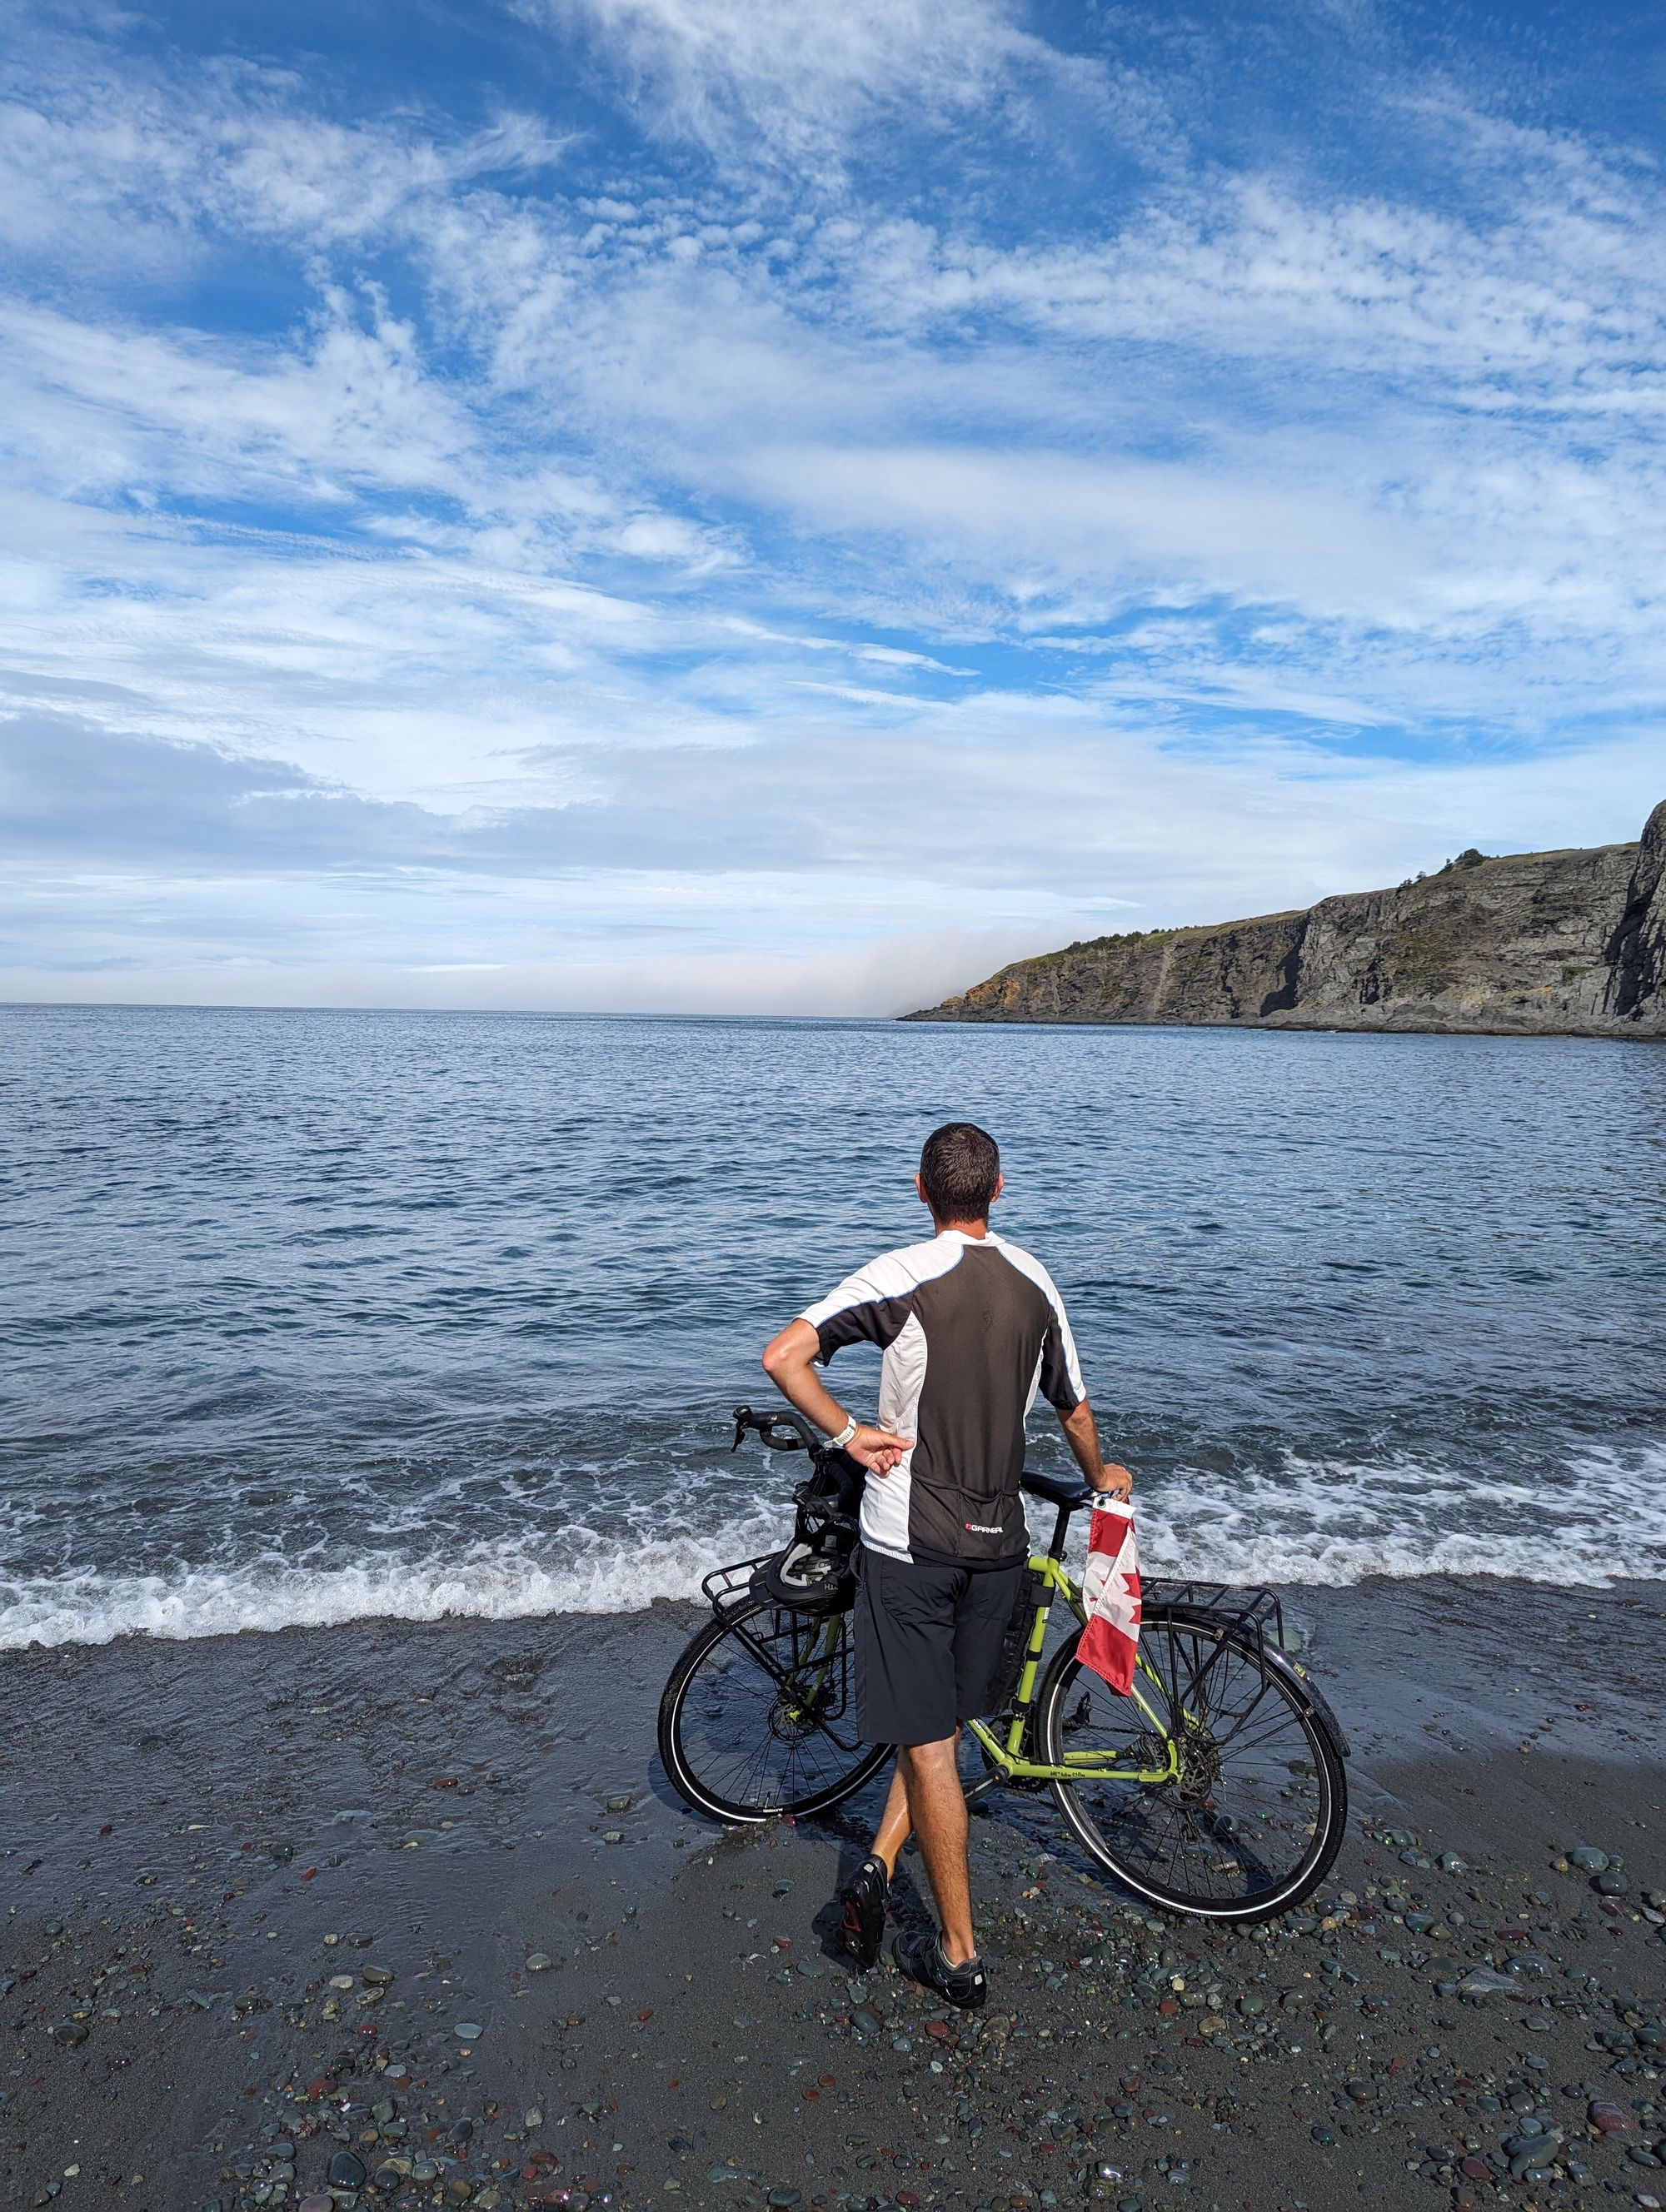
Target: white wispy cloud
column 746, row 472
column 791, row 84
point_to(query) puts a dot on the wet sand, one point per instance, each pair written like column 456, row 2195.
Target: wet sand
column 561, row 1987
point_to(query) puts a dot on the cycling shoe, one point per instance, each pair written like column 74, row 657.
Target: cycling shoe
column 862, row 1902
column 921, row 1958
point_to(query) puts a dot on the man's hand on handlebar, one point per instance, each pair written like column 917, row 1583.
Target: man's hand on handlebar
column 1083, row 1438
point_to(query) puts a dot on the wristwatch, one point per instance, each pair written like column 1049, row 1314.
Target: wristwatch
column 838, row 1442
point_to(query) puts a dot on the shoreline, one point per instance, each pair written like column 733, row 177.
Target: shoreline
column 458, row 1801
column 1273, row 1026
column 518, row 1582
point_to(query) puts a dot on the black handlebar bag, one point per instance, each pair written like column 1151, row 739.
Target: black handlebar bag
column 815, row 1573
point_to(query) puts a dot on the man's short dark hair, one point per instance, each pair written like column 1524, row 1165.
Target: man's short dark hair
column 959, row 1169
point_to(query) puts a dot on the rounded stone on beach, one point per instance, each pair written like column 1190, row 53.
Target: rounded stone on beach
column 345, row 2171
column 539, row 1963
column 468, row 2031
column 317, row 2202
column 69, row 2032
column 378, row 1977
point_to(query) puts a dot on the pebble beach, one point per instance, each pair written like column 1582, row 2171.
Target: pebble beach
column 406, row 1915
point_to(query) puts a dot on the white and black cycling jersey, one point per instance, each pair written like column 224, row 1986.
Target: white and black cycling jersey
column 972, row 1328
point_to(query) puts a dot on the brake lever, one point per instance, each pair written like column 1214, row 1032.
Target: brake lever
column 773, row 1438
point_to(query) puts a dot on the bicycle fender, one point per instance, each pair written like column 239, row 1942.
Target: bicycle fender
column 1316, row 1698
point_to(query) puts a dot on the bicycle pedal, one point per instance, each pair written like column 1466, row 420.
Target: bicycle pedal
column 985, row 1786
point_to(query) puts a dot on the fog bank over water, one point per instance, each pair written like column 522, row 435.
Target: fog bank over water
column 880, row 975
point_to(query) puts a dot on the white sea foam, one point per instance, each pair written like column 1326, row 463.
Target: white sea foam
column 1306, row 1521
column 580, row 1572
column 1603, row 1521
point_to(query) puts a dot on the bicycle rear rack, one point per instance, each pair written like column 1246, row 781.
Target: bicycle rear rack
column 1258, row 1614
column 1257, row 1611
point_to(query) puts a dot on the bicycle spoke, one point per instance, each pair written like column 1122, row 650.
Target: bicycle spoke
column 766, row 1718
column 1240, row 1815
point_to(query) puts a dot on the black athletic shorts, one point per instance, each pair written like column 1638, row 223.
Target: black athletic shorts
column 927, row 1643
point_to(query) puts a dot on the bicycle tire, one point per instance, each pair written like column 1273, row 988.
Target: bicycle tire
column 1116, row 1823
column 704, row 1776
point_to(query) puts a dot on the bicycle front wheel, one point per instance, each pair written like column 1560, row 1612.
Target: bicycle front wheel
column 1255, row 1814
column 758, row 1719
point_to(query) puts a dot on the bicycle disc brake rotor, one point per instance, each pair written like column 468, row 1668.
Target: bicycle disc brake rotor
column 791, row 1719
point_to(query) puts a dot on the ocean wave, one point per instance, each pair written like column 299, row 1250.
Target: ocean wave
column 1305, row 1521
column 1601, row 1519
column 482, row 1581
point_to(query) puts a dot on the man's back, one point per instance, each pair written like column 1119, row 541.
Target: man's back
column 971, row 1328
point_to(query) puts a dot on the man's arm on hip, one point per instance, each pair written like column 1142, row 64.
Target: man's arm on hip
column 789, row 1362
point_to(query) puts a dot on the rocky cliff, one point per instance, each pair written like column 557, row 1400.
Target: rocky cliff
column 1540, row 943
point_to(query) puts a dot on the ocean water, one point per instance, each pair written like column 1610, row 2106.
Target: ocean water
column 307, row 1317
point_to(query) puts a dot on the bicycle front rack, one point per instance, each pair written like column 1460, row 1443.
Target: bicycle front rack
column 727, row 1586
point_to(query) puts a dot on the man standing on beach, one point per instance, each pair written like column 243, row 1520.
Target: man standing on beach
column 971, row 1328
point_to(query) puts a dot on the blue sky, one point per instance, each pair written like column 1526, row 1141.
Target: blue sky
column 715, row 504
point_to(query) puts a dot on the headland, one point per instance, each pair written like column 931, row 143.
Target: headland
column 1569, row 943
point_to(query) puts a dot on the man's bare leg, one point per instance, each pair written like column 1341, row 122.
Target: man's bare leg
column 896, row 1823
column 937, row 1809
column 895, row 1826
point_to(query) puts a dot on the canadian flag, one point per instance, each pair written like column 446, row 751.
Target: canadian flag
column 1110, row 1595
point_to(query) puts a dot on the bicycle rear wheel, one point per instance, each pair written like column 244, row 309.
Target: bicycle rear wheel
column 758, row 1719
column 1254, row 1820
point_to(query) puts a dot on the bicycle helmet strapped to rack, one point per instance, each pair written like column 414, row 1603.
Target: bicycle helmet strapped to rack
column 813, row 1573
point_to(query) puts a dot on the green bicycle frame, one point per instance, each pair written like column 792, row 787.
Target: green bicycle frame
column 805, row 1681
column 820, row 1663
column 1079, row 1765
